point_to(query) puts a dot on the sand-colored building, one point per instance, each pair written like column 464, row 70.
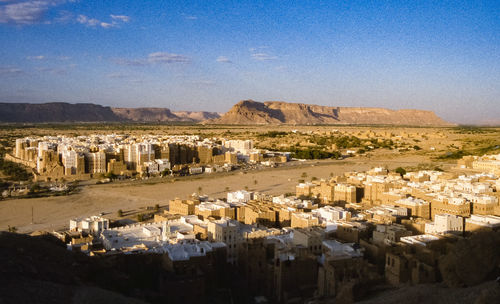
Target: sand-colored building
column 182, row 207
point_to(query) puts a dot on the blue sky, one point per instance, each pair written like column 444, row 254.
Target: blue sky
column 207, row 55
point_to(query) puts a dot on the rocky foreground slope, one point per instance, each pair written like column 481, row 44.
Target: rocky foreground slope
column 87, row 112
column 274, row 112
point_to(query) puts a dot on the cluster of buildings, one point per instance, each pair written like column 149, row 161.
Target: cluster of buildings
column 83, row 157
column 329, row 239
column 486, row 163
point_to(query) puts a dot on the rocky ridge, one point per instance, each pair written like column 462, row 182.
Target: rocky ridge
column 57, row 112
column 276, row 112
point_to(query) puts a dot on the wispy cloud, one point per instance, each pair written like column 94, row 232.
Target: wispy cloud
column 130, row 62
column 154, row 58
column 203, row 82
column 53, row 71
column 263, row 57
column 121, row 18
column 25, row 12
column 64, row 17
column 107, row 25
column 87, row 21
column 92, row 22
column 255, row 49
column 223, row 59
column 10, row 71
column 39, row 57
column 116, row 76
column 259, row 54
column 163, row 57
column 189, row 17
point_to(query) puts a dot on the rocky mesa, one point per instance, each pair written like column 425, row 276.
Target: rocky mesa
column 249, row 112
column 56, row 112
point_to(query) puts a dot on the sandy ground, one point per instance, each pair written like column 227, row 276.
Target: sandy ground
column 54, row 213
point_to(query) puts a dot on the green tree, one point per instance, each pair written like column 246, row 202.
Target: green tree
column 400, row 170
column 140, row 217
column 157, row 207
column 35, row 188
column 111, row 175
column 120, row 213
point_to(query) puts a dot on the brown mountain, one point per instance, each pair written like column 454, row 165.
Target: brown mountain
column 277, row 112
column 197, row 116
column 146, row 114
column 87, row 112
column 55, row 112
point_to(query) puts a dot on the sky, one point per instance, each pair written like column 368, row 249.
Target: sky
column 442, row 56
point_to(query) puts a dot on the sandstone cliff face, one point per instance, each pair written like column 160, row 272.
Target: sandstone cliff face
column 274, row 112
column 87, row 112
column 146, row 114
column 196, row 116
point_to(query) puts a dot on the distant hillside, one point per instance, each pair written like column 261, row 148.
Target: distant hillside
column 146, row 114
column 197, row 116
column 56, row 112
column 273, row 112
column 87, row 112
column 247, row 112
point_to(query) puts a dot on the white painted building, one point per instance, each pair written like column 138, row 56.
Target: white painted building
column 445, row 223
column 241, row 196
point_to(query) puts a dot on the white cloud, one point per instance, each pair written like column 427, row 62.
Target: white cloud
column 154, row 58
column 203, row 82
column 191, row 18
column 107, row 25
column 263, row 57
column 130, row 62
column 163, row 57
column 54, row 71
column 116, row 76
column 223, row 59
column 64, row 17
column 39, row 57
column 26, row 12
column 255, row 49
column 87, row 21
column 92, row 22
column 121, row 18
column 10, row 71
